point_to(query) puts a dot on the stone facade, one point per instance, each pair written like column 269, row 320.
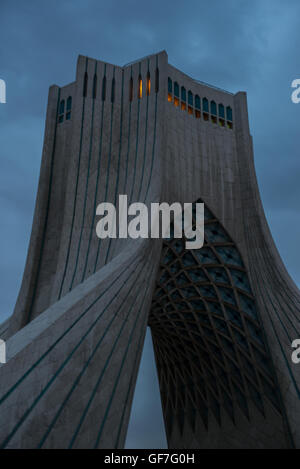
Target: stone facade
column 222, row 319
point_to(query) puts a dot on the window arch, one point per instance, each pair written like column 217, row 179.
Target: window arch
column 148, row 84
column 131, row 89
column 221, row 115
column 113, row 85
column 229, row 113
column 205, row 109
column 176, row 89
column 95, row 86
column 85, row 84
column 170, row 89
column 61, row 111
column 62, row 107
column 183, row 94
column 205, row 105
column 221, row 111
column 69, row 108
column 176, row 94
column 213, row 108
column 229, row 117
column 156, row 80
column 140, row 87
column 183, row 98
column 190, row 103
column 213, row 111
column 197, row 106
column 104, row 88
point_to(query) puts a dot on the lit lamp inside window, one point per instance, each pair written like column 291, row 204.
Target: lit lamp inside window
column 140, row 89
column 148, row 89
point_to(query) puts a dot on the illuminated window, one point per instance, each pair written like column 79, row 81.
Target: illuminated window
column 170, row 89
column 85, row 83
column 213, row 111
column 95, row 86
column 156, row 80
column 190, row 103
column 198, row 107
column 113, row 86
column 130, row 89
column 183, row 98
column 176, row 101
column 148, row 87
column 140, row 87
column 104, row 88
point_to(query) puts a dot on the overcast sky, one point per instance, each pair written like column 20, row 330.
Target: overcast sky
column 237, row 45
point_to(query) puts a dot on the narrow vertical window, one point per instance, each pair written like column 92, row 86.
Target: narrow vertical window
column 140, row 87
column 170, row 89
column 61, row 111
column 205, row 109
column 183, row 98
column 229, row 117
column 229, row 113
column 130, row 89
column 95, row 87
column 85, row 84
column 148, row 87
column 221, row 115
column 197, row 107
column 113, row 85
column 190, row 103
column 176, row 94
column 62, row 107
column 69, row 108
column 156, row 80
column 213, row 111
column 104, row 88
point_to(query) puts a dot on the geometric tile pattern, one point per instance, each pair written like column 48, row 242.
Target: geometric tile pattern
column 209, row 345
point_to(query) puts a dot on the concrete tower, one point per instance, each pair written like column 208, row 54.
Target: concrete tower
column 222, row 317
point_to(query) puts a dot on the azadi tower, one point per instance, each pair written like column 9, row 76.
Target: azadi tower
column 222, row 317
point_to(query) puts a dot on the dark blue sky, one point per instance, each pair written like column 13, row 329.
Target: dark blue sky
column 236, row 45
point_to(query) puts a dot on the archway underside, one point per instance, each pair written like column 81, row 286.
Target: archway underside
column 211, row 353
